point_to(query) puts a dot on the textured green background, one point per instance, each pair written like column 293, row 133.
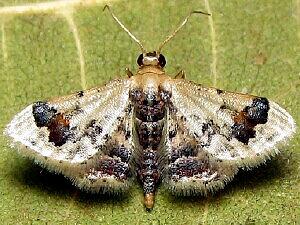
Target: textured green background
column 257, row 45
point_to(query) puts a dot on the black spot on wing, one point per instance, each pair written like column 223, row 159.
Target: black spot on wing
column 80, row 94
column 208, row 130
column 248, row 118
column 242, row 132
column 222, row 107
column 172, row 133
column 121, row 152
column 258, row 111
column 93, row 130
column 219, row 91
column 188, row 167
column 127, row 135
column 112, row 167
column 42, row 113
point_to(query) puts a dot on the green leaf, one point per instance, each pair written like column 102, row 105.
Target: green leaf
column 246, row 46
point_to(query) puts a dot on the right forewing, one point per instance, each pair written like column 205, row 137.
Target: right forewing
column 213, row 132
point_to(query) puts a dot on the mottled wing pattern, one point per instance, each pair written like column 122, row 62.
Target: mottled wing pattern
column 211, row 133
column 85, row 136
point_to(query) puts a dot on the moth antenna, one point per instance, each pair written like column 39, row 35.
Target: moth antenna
column 124, row 28
column 178, row 29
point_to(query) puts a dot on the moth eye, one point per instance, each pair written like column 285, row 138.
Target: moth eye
column 140, row 60
column 162, row 60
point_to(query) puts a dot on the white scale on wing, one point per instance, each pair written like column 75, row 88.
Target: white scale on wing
column 23, row 129
column 278, row 129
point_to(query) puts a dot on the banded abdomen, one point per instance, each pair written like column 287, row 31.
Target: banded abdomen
column 150, row 111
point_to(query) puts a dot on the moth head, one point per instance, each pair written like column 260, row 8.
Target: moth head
column 151, row 59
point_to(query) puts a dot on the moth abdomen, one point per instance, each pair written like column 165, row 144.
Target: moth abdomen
column 149, row 133
column 150, row 111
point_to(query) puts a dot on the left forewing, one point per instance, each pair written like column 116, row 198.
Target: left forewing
column 85, row 136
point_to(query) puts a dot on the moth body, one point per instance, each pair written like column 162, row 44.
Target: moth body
column 150, row 100
column 153, row 127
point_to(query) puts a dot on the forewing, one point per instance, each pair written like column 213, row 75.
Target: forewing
column 85, row 136
column 213, row 132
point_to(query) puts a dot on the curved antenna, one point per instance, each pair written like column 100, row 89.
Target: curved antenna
column 125, row 29
column 178, row 29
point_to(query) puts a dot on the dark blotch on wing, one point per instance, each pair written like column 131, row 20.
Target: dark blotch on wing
column 57, row 124
column 42, row 113
column 93, row 130
column 185, row 149
column 80, row 94
column 219, row 91
column 248, row 118
column 59, row 129
column 258, row 111
column 121, row 152
column 188, row 167
column 113, row 167
column 243, row 132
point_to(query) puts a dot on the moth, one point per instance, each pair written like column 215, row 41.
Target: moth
column 153, row 128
